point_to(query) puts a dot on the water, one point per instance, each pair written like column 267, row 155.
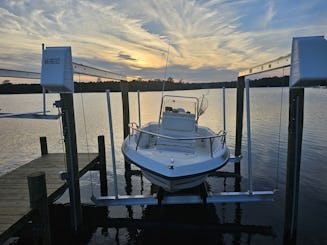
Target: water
column 19, row 143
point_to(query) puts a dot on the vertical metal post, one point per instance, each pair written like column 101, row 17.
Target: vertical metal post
column 102, row 167
column 112, row 144
column 295, row 132
column 126, row 120
column 44, row 146
column 125, row 100
column 238, row 148
column 68, row 121
column 139, row 106
column 224, row 108
column 248, row 116
column 239, row 128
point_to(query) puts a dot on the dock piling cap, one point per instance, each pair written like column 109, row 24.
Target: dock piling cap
column 36, row 174
column 308, row 61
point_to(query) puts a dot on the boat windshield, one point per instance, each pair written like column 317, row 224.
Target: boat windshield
column 185, row 104
column 179, row 103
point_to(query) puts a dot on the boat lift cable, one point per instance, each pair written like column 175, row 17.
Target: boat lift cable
column 62, row 174
column 86, row 138
column 165, row 73
column 62, row 142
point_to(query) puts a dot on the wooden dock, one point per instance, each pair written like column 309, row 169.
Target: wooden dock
column 15, row 208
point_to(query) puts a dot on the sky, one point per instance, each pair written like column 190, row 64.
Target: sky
column 199, row 41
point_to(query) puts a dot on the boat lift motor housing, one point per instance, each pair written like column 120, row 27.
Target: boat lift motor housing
column 57, row 70
column 309, row 61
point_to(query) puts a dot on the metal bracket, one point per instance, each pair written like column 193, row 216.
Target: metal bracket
column 57, row 104
column 234, row 159
column 63, row 175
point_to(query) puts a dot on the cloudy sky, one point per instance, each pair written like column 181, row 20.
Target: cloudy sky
column 206, row 40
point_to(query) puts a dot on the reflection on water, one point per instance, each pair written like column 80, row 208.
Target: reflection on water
column 251, row 223
column 192, row 224
column 168, row 224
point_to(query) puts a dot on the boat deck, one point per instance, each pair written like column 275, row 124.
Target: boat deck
column 15, row 208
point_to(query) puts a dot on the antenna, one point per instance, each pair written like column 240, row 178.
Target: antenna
column 165, row 74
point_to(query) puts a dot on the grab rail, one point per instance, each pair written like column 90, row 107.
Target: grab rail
column 220, row 134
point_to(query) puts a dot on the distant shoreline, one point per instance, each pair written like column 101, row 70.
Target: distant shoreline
column 156, row 85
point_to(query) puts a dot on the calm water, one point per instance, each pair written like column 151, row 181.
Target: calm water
column 19, row 143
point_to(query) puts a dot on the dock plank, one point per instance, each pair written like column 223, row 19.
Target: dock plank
column 12, row 210
column 14, row 194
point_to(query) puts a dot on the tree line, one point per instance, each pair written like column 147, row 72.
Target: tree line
column 151, row 85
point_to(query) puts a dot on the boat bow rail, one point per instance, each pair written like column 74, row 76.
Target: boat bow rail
column 134, row 127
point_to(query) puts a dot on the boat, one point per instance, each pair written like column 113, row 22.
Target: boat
column 176, row 153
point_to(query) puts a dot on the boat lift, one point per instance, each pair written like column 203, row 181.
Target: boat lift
column 170, row 198
column 307, row 61
column 300, row 75
column 57, row 82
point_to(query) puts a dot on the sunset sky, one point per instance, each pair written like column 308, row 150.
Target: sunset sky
column 207, row 40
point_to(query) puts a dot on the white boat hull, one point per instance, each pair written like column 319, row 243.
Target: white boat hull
column 175, row 184
column 174, row 169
